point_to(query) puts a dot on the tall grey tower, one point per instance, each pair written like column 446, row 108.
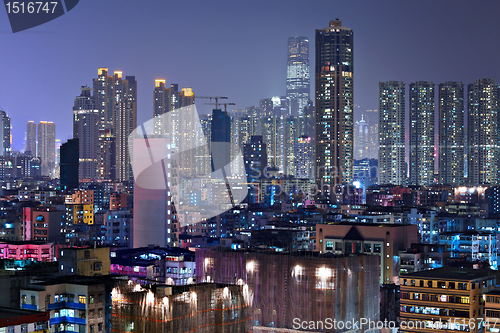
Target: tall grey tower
column 391, row 155
column 451, row 133
column 334, row 106
column 298, row 74
column 422, row 133
column 47, row 147
column 86, row 130
column 484, row 149
column 31, row 138
column 4, row 134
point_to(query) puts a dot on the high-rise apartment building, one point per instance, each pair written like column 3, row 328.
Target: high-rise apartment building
column 30, row 138
column 421, row 133
column 255, row 156
column 303, row 157
column 86, row 121
column 270, row 135
column 361, row 139
column 298, row 74
column 220, row 139
column 451, row 133
column 483, row 136
column 334, row 106
column 115, row 99
column 291, row 133
column 124, row 122
column 5, row 137
column 47, row 147
column 69, row 164
column 391, row 157
column 169, row 99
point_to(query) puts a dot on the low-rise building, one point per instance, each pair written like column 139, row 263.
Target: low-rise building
column 25, row 321
column 76, row 304
column 85, row 261
column 384, row 240
column 28, row 250
column 445, row 299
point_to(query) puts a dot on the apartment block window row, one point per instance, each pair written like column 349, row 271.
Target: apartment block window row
column 426, row 310
column 436, row 298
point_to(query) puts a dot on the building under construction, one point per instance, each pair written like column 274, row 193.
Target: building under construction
column 308, row 286
column 201, row 308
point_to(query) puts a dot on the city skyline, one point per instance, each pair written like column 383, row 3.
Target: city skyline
column 263, row 78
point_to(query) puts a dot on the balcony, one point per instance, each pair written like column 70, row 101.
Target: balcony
column 29, row 307
column 67, row 320
column 66, row 305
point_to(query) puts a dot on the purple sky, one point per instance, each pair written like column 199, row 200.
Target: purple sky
column 235, row 48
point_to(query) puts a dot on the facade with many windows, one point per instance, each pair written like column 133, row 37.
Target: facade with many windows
column 446, row 299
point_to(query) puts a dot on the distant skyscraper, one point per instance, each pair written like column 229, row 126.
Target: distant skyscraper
column 270, row 135
column 5, row 138
column 451, row 133
column 220, row 139
column 484, row 134
column 421, row 133
column 31, row 138
column 116, row 102
column 255, row 156
column 361, row 139
column 202, row 157
column 298, row 74
column 391, row 157
column 291, row 134
column 124, row 122
column 86, row 128
column 69, row 156
column 170, row 99
column 303, row 157
column 47, row 147
column 267, row 107
column 334, row 106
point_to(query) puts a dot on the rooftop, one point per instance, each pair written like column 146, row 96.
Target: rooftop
column 452, row 273
column 7, row 313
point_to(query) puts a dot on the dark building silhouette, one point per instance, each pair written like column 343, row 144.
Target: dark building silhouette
column 220, row 139
column 255, row 155
column 69, row 164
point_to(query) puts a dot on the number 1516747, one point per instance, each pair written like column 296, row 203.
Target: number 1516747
column 31, row 7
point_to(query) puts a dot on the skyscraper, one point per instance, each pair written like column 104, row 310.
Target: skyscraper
column 124, row 122
column 484, row 136
column 255, row 156
column 115, row 99
column 31, row 138
column 298, row 74
column 220, row 130
column 291, row 134
column 451, row 133
column 270, row 136
column 391, row 156
column 5, row 138
column 86, row 121
column 421, row 133
column 361, row 139
column 334, row 106
column 47, row 147
column 69, row 164
column 303, row 157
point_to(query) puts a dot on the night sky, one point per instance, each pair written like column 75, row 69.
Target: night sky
column 236, row 49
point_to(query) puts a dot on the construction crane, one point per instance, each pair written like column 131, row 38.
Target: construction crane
column 219, row 104
column 213, row 97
